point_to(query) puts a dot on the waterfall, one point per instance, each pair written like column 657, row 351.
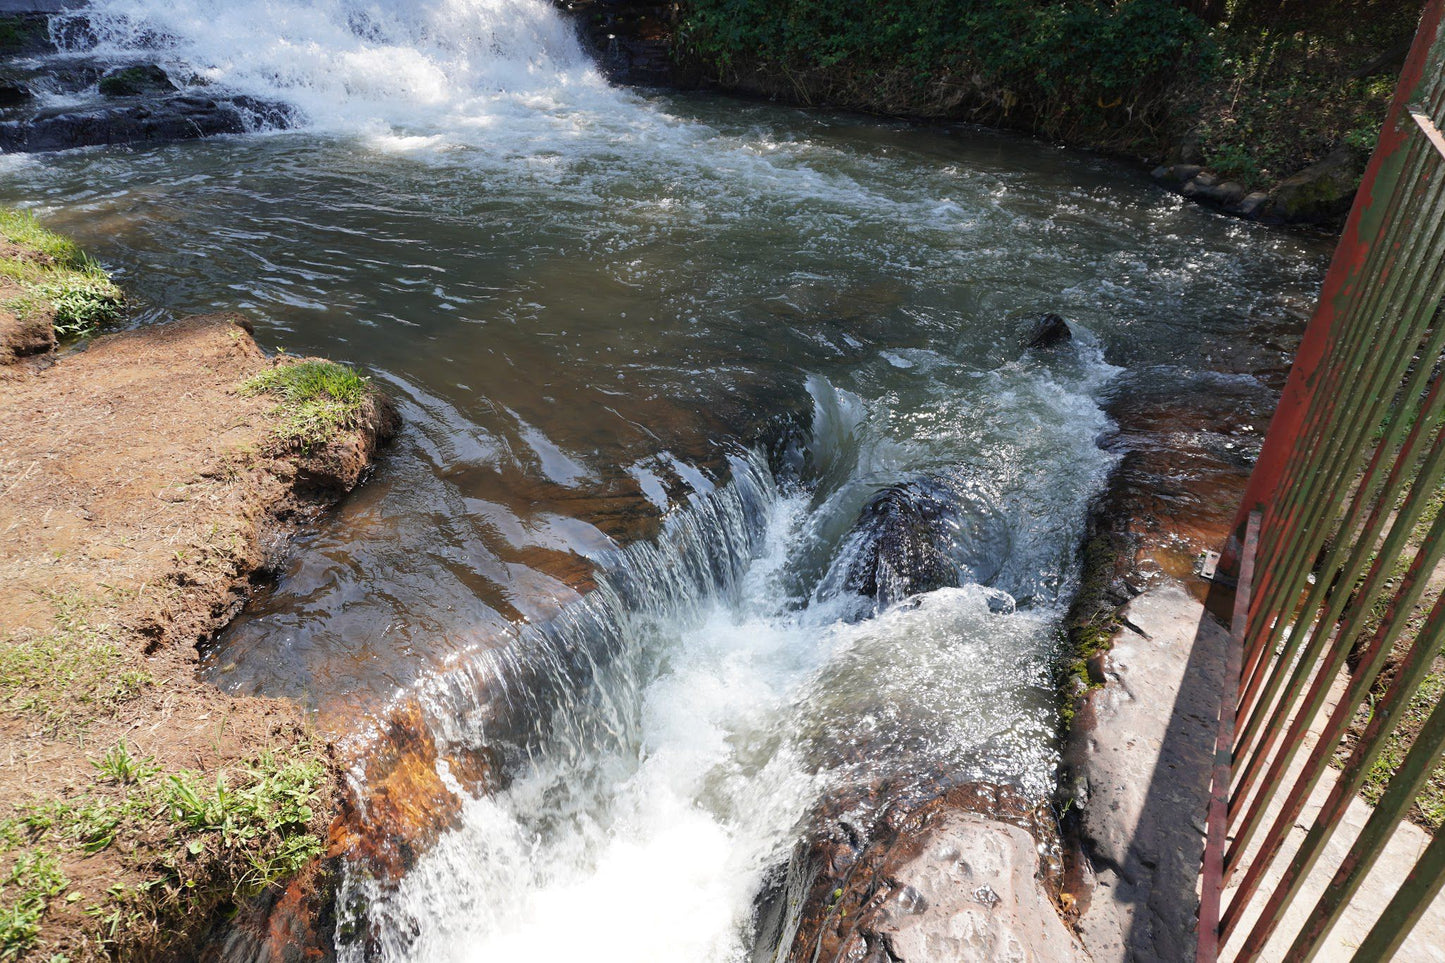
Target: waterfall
column 441, row 71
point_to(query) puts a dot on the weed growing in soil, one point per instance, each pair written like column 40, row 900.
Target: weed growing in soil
column 57, row 277
column 74, row 670
column 199, row 844
column 318, row 399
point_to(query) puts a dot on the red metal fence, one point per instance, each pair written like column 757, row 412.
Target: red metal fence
column 1337, row 616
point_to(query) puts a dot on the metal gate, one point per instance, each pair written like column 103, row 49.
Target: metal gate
column 1338, row 539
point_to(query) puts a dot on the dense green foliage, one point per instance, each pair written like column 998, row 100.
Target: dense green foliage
column 1063, row 63
column 1260, row 92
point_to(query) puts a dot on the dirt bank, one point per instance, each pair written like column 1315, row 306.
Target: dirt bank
column 148, row 478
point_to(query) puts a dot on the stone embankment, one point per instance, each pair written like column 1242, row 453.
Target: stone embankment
column 148, row 480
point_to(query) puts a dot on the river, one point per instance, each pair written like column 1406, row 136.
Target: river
column 655, row 353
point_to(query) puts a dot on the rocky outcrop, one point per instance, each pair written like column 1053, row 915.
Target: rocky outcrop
column 135, row 81
column 930, row 532
column 1321, row 193
column 902, row 534
column 953, row 876
column 178, row 117
column 631, row 39
column 1049, row 331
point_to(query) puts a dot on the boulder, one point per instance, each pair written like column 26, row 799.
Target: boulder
column 136, row 81
column 1320, row 192
column 179, row 117
column 901, row 540
column 954, row 877
column 1048, row 332
column 13, row 92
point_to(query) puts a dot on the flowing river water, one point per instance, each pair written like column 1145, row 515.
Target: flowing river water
column 655, row 352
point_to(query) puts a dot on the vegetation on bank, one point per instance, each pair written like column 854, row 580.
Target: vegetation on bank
column 1256, row 92
column 1428, row 809
column 54, row 278
column 140, row 807
column 318, row 399
column 116, row 867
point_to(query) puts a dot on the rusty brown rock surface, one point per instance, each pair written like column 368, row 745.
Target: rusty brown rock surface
column 895, row 873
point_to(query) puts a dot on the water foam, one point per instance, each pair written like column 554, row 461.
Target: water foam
column 411, row 74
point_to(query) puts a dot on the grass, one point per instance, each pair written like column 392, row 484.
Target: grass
column 74, row 670
column 1428, row 810
column 55, row 276
column 196, row 844
column 318, row 399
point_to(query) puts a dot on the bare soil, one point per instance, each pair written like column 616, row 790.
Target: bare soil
column 140, row 495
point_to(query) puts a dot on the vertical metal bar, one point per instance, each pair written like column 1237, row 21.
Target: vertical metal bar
column 1285, row 427
column 1307, row 512
column 1319, row 633
column 1360, row 600
column 1419, row 762
column 1217, row 828
column 1419, row 890
column 1382, row 724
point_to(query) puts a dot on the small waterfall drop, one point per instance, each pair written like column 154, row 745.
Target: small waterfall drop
column 404, row 73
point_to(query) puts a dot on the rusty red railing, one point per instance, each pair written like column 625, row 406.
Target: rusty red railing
column 1337, row 617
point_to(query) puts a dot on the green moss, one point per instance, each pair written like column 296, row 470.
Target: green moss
column 56, row 276
column 318, row 399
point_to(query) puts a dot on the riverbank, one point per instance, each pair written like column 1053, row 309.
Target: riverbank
column 150, row 478
column 1266, row 114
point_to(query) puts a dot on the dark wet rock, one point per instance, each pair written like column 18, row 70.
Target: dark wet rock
column 904, row 531
column 631, row 40
column 24, row 33
column 927, row 533
column 13, row 92
column 896, row 872
column 180, row 117
column 1321, row 191
column 1183, row 173
column 1048, row 332
column 136, row 81
column 1252, row 204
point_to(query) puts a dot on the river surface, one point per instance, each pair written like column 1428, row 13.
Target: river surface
column 654, row 353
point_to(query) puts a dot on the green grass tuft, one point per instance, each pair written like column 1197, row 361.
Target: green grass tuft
column 53, row 676
column 203, row 844
column 318, row 399
column 55, row 275
column 25, row 893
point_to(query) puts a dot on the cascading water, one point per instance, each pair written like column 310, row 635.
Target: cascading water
column 596, row 308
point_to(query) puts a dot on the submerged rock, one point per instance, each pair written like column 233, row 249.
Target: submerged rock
column 928, row 533
column 134, row 81
column 903, row 531
column 1050, row 331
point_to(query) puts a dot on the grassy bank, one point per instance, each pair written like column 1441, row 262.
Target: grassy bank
column 1259, row 93
column 143, row 478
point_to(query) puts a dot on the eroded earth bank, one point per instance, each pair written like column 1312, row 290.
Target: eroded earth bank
column 150, row 479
